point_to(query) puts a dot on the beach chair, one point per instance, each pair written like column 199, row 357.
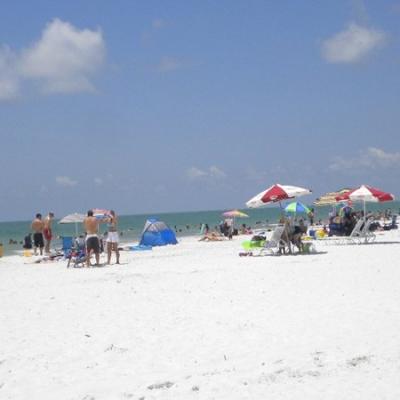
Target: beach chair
column 252, row 245
column 392, row 224
column 279, row 242
column 77, row 258
column 67, row 245
column 356, row 234
column 366, row 235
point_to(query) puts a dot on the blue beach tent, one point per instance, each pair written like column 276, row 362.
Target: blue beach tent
column 157, row 233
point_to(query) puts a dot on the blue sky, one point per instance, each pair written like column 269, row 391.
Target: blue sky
column 150, row 106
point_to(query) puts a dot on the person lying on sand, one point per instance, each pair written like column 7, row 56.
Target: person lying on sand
column 211, row 237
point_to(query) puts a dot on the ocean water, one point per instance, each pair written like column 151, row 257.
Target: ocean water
column 184, row 223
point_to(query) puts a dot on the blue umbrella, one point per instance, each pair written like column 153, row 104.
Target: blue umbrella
column 296, row 207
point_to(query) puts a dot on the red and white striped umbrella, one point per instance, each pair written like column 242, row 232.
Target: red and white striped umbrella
column 276, row 193
column 365, row 194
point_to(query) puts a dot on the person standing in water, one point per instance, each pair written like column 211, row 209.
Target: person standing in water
column 112, row 237
column 47, row 232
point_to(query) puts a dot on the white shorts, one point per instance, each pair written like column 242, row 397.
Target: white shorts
column 112, row 237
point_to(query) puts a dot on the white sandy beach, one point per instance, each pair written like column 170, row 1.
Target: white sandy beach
column 196, row 321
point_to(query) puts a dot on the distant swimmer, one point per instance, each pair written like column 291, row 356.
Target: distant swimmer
column 37, row 228
column 47, row 231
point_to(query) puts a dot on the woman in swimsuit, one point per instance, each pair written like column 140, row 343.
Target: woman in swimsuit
column 112, row 237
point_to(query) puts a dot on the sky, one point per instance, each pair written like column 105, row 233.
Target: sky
column 156, row 106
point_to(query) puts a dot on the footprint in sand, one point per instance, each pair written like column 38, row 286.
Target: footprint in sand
column 163, row 385
column 354, row 362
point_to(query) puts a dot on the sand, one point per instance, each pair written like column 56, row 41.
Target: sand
column 196, row 321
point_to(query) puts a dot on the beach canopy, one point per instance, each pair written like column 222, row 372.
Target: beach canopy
column 297, row 207
column 235, row 214
column 157, row 233
column 276, row 193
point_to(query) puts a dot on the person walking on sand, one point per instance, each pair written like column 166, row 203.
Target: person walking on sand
column 91, row 225
column 47, row 232
column 37, row 227
column 112, row 237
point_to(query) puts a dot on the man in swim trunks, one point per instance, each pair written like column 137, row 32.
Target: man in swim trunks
column 112, row 237
column 37, row 227
column 47, row 232
column 91, row 225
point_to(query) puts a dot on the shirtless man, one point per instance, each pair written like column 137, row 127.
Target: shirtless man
column 37, row 227
column 47, row 232
column 112, row 237
column 91, row 225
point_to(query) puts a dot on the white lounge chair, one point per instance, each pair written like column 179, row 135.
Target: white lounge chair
column 351, row 239
column 366, row 235
column 278, row 243
column 361, row 232
column 355, row 233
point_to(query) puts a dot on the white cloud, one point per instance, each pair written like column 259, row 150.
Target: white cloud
column 63, row 60
column 370, row 158
column 213, row 173
column 66, row 181
column 64, row 57
column 98, row 181
column 195, row 173
column 168, row 64
column 216, row 172
column 9, row 85
column 352, row 44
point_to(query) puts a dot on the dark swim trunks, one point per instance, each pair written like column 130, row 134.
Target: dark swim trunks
column 92, row 243
column 38, row 240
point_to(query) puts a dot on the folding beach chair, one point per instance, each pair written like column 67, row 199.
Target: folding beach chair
column 279, row 242
column 77, row 258
column 255, row 244
column 354, row 237
column 392, row 224
column 366, row 235
column 67, row 245
column 361, row 233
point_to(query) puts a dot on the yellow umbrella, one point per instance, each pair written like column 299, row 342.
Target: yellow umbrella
column 329, row 199
column 234, row 214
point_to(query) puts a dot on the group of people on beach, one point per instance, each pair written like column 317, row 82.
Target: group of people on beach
column 91, row 225
column 42, row 233
column 43, row 236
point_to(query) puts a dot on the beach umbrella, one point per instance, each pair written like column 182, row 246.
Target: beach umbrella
column 297, row 207
column 101, row 213
column 235, row 214
column 74, row 218
column 276, row 193
column 329, row 199
column 366, row 193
